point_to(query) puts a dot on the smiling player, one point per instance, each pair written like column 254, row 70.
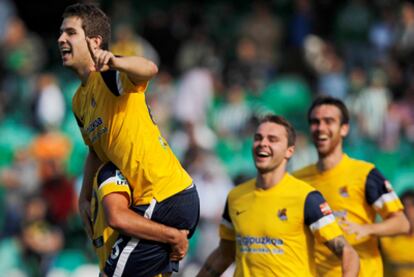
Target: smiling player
column 355, row 190
column 270, row 222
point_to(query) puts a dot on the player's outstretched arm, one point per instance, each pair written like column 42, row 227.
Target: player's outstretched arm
column 84, row 203
column 344, row 251
column 137, row 68
column 395, row 224
column 219, row 260
column 126, row 221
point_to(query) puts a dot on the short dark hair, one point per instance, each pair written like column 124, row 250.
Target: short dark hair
column 328, row 100
column 94, row 21
column 290, row 131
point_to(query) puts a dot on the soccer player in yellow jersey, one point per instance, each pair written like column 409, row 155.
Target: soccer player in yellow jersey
column 270, row 222
column 355, row 190
column 117, row 126
column 398, row 250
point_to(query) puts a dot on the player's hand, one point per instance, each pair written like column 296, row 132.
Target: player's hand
column 85, row 214
column 180, row 247
column 359, row 230
column 102, row 59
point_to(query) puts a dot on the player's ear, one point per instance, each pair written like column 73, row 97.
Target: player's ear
column 344, row 130
column 289, row 152
column 96, row 42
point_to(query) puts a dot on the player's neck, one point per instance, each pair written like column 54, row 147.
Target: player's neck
column 83, row 74
column 270, row 179
column 329, row 161
column 83, row 70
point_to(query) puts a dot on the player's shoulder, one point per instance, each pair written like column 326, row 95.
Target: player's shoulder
column 244, row 188
column 299, row 185
column 305, row 172
column 359, row 165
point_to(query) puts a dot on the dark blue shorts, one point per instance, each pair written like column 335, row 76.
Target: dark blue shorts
column 145, row 258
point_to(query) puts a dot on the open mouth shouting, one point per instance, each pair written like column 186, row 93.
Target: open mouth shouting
column 65, row 52
column 261, row 155
column 320, row 139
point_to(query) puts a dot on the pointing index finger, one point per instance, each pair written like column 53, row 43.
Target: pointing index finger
column 91, row 50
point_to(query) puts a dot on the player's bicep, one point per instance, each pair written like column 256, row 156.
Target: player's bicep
column 319, row 218
column 115, row 200
column 380, row 194
column 228, row 248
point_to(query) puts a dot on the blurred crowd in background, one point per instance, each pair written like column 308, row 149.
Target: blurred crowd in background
column 222, row 65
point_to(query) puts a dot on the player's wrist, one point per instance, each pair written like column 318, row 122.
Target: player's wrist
column 370, row 229
column 115, row 63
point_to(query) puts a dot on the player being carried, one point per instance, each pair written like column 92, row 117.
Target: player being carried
column 116, row 124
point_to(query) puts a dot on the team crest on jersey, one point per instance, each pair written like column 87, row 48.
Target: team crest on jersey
column 388, row 186
column 343, row 191
column 282, row 214
column 120, row 179
column 325, row 209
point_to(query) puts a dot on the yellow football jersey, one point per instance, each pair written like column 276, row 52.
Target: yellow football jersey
column 115, row 120
column 356, row 191
column 107, row 180
column 273, row 228
column 398, row 252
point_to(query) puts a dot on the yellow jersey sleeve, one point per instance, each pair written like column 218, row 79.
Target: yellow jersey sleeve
column 130, row 87
column 320, row 219
column 226, row 226
column 110, row 179
column 380, row 194
column 119, row 83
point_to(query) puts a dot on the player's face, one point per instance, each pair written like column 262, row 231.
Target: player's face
column 72, row 43
column 327, row 130
column 270, row 147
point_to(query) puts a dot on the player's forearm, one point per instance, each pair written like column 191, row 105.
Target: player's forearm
column 138, row 69
column 394, row 225
column 350, row 262
column 344, row 251
column 216, row 263
column 132, row 224
column 91, row 166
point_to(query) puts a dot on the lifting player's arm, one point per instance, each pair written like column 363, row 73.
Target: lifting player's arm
column 137, row 68
column 395, row 224
column 219, row 260
column 344, row 251
column 121, row 218
column 91, row 166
